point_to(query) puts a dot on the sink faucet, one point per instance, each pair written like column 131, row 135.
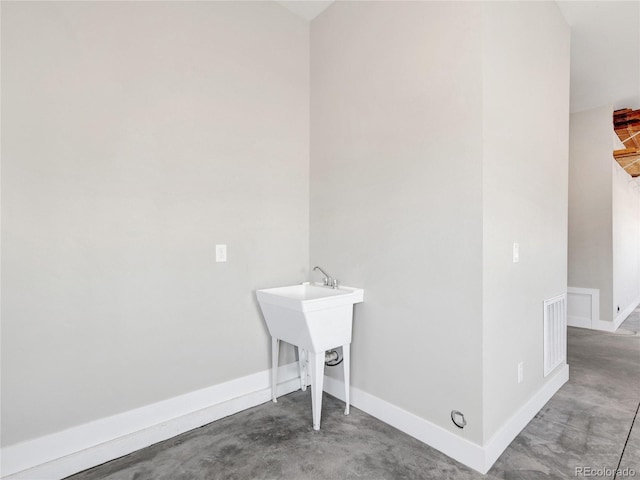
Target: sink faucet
column 328, row 281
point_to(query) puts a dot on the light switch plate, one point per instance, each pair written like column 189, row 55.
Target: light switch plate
column 221, row 253
column 520, row 372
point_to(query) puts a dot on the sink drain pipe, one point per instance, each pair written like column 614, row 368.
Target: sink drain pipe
column 331, row 358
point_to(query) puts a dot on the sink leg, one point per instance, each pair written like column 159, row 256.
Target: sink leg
column 302, row 367
column 275, row 351
column 317, row 377
column 346, row 365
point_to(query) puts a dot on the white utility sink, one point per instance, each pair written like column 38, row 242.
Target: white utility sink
column 314, row 318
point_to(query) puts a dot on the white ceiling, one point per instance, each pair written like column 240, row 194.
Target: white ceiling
column 605, row 49
column 605, row 53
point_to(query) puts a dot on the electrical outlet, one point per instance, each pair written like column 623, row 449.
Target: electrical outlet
column 516, row 252
column 520, row 372
column 221, row 253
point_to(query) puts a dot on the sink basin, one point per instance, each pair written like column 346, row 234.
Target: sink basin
column 309, row 315
column 311, row 296
column 314, row 318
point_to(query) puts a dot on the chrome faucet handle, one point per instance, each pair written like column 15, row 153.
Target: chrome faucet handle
column 327, row 278
column 327, row 281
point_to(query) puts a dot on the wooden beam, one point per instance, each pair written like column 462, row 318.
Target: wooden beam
column 627, row 152
column 626, row 124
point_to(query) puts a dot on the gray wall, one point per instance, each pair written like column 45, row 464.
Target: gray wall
column 139, row 135
column 604, row 223
column 625, row 209
column 136, row 136
column 524, row 180
column 590, row 209
column 396, row 145
column 439, row 138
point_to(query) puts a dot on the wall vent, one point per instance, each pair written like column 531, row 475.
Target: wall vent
column 555, row 332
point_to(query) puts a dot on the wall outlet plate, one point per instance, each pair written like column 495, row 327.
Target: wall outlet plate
column 516, row 252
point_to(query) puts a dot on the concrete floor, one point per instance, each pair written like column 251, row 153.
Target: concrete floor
column 588, row 423
column 631, row 324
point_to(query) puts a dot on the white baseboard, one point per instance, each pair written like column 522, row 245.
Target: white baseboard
column 605, row 325
column 458, row 448
column 464, row 451
column 499, row 442
column 622, row 316
column 579, row 322
column 70, row 451
column 593, row 321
